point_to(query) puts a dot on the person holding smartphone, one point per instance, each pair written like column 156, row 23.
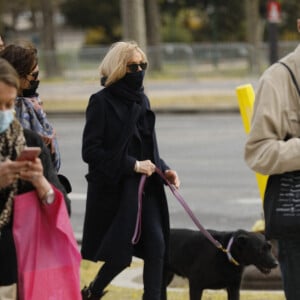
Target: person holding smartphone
column 19, row 176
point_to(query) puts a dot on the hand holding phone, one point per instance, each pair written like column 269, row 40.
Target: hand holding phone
column 29, row 153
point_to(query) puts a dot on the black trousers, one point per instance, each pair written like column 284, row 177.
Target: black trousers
column 8, row 257
column 289, row 260
column 153, row 245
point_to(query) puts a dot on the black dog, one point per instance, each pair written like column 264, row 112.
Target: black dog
column 193, row 256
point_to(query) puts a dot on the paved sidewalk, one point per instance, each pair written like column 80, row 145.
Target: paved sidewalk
column 165, row 95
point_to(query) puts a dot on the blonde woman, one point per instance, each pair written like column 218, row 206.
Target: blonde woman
column 119, row 145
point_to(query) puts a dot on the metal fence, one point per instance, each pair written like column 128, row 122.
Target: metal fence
column 177, row 60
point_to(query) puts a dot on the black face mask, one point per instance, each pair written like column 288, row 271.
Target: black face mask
column 134, row 80
column 31, row 91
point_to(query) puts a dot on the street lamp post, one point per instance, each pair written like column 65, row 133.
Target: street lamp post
column 213, row 13
column 273, row 17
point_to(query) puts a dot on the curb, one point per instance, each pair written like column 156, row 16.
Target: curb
column 174, row 96
column 159, row 110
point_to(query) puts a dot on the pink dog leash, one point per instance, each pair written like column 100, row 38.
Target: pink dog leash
column 138, row 224
column 137, row 231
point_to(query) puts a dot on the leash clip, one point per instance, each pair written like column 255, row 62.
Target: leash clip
column 227, row 251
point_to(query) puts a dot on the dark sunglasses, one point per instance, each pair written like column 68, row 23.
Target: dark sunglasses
column 34, row 74
column 135, row 67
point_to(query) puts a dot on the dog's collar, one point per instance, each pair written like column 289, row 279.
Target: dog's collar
column 230, row 257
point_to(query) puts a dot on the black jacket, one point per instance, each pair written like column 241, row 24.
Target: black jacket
column 111, row 145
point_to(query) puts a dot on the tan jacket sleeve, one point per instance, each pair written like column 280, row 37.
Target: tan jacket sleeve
column 273, row 144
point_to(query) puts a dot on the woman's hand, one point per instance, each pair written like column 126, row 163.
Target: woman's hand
column 145, row 167
column 172, row 177
column 10, row 171
column 34, row 174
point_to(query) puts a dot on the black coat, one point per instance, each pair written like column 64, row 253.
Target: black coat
column 8, row 261
column 111, row 145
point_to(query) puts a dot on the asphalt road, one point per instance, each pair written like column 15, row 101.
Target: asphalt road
column 207, row 152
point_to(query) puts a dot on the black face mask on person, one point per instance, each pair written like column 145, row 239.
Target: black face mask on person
column 31, row 91
column 134, row 80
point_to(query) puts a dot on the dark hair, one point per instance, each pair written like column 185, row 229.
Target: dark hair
column 2, row 43
column 23, row 59
column 8, row 74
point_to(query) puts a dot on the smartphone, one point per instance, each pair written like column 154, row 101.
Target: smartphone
column 29, row 153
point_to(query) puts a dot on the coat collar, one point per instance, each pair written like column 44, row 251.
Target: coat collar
column 121, row 109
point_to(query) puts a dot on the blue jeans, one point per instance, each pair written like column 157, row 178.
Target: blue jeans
column 289, row 259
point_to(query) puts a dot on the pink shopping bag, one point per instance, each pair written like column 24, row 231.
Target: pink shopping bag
column 47, row 253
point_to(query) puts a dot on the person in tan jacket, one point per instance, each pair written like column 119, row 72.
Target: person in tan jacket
column 273, row 146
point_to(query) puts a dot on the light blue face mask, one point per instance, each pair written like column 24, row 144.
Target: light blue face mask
column 6, row 117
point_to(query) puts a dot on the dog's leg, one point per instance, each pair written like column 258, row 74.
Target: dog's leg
column 168, row 277
column 195, row 291
column 233, row 293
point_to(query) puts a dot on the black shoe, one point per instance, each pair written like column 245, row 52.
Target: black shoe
column 87, row 294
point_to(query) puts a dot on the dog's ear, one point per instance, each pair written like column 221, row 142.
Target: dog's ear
column 242, row 240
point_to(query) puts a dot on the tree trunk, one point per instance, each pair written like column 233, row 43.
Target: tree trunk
column 48, row 40
column 254, row 33
column 133, row 21
column 153, row 34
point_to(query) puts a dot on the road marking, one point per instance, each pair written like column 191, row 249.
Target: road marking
column 77, row 196
column 247, row 201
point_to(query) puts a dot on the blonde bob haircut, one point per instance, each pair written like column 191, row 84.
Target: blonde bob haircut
column 114, row 65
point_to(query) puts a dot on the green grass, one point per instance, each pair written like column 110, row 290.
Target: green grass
column 89, row 270
column 197, row 72
column 157, row 102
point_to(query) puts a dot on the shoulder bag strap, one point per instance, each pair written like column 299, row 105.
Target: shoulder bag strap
column 292, row 76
